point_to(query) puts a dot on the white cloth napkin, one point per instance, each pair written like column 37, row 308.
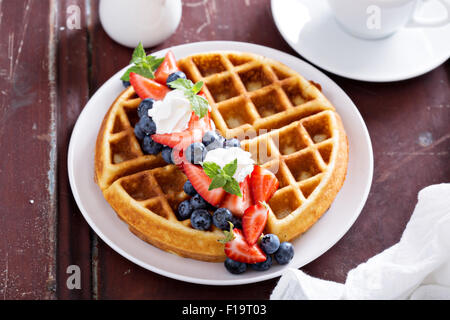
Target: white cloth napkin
column 417, row 267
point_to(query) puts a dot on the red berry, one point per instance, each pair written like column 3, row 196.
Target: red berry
column 167, row 67
column 254, row 221
column 200, row 181
column 148, row 88
column 239, row 250
column 263, row 184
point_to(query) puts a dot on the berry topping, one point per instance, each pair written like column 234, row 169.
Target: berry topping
column 126, row 84
column 221, row 218
column 195, row 153
column 167, row 67
column 284, row 253
column 175, row 76
column 181, row 140
column 201, row 182
column 214, row 139
column 237, row 205
column 237, row 222
column 147, row 88
column 239, row 250
column 263, row 184
column 269, row 243
column 167, row 155
column 184, row 210
column 262, row 266
column 201, row 219
column 151, row 147
column 254, row 221
column 232, row 143
column 138, row 132
column 189, row 189
column 147, row 125
column 235, row 267
column 197, row 202
column 144, row 106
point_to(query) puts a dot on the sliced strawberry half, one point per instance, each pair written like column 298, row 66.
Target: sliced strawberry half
column 168, row 66
column 239, row 250
column 200, row 181
column 179, row 141
column 254, row 221
column 263, row 184
column 238, row 205
column 148, row 88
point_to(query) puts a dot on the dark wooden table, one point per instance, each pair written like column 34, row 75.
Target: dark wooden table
column 48, row 73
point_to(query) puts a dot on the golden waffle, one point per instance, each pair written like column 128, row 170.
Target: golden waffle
column 283, row 120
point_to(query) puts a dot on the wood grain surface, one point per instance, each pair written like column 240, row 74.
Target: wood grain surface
column 47, row 74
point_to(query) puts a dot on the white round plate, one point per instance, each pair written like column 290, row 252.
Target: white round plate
column 322, row 236
column 309, row 28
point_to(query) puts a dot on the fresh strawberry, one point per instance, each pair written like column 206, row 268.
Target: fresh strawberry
column 254, row 221
column 181, row 140
column 237, row 205
column 168, row 66
column 148, row 88
column 263, row 184
column 200, row 181
column 239, row 250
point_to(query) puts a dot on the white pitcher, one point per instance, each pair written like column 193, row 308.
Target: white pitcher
column 129, row 22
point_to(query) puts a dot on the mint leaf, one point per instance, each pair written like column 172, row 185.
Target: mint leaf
column 182, row 84
column 218, row 182
column 143, row 65
column 232, row 187
column 197, row 87
column 230, row 169
column 138, row 55
column 139, row 70
column 223, row 178
column 199, row 105
column 211, row 169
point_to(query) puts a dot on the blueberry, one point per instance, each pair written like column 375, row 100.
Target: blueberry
column 262, row 266
column 221, row 217
column 212, row 137
column 145, row 105
column 270, row 243
column 126, row 84
column 174, row 76
column 138, row 132
column 151, row 147
column 195, row 153
column 167, row 154
column 284, row 253
column 198, row 202
column 189, row 188
column 235, row 267
column 230, row 143
column 147, row 125
column 184, row 210
column 201, row 219
column 237, row 222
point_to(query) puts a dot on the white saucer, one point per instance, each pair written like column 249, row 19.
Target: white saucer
column 321, row 237
column 310, row 29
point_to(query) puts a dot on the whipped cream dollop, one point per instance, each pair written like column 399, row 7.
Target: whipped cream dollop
column 172, row 114
column 222, row 157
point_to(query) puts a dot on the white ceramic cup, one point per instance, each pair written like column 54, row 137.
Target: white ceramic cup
column 129, row 22
column 375, row 19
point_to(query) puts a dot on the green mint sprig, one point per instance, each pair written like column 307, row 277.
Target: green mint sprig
column 199, row 104
column 223, row 178
column 142, row 64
